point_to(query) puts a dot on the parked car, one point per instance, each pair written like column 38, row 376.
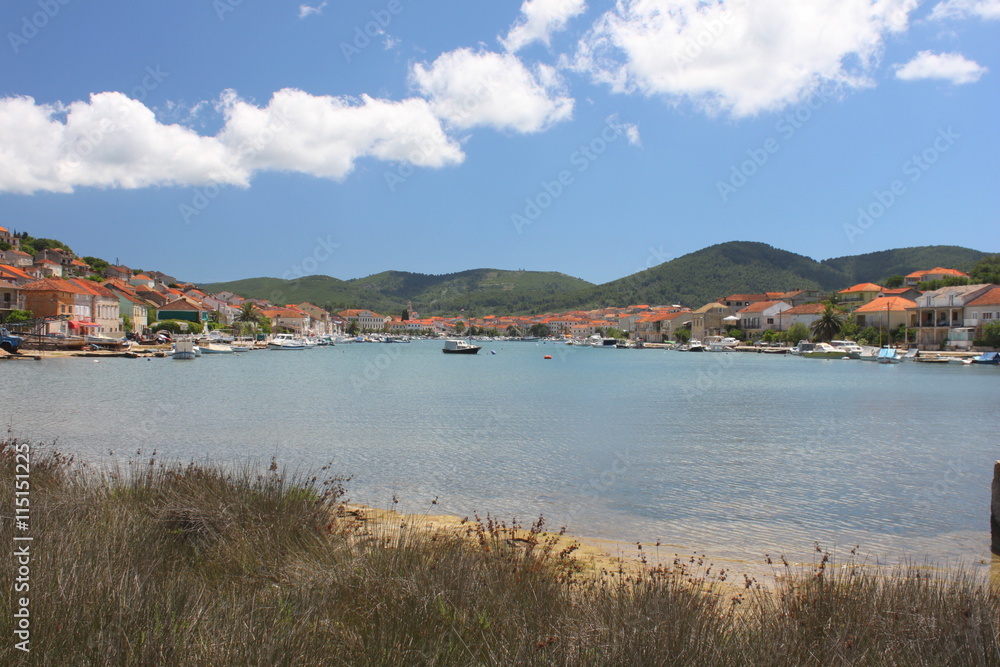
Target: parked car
column 8, row 342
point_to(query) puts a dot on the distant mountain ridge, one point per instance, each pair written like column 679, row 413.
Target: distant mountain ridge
column 691, row 280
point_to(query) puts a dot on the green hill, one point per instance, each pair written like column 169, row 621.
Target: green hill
column 478, row 290
column 691, row 280
column 875, row 267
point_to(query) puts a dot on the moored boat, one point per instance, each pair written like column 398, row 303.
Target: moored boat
column 286, row 341
column 826, row 351
column 454, row 346
column 992, row 358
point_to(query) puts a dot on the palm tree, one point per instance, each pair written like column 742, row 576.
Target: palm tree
column 828, row 324
column 249, row 315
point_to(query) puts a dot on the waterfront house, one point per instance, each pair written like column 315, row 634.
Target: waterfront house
column 887, row 312
column 938, row 313
column 983, row 309
column 763, row 316
column 10, row 297
column 806, row 313
column 130, row 305
column 104, row 308
column 59, row 298
column 709, row 320
column 366, row 320
column 184, row 309
column 858, row 295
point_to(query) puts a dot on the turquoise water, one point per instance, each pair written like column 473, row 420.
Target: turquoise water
column 731, row 454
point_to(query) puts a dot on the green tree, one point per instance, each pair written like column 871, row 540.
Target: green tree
column 829, row 323
column 849, row 330
column 96, row 264
column 249, row 316
column 986, row 270
column 4, row 246
column 127, row 323
column 798, row 331
column 990, row 336
column 539, row 330
column 460, row 327
column 892, row 282
column 682, row 335
column 352, row 328
column 15, row 316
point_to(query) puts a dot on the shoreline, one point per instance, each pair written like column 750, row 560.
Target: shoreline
column 609, row 558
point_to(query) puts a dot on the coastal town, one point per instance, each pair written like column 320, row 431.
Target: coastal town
column 55, row 295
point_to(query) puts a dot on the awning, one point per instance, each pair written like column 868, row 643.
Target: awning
column 79, row 324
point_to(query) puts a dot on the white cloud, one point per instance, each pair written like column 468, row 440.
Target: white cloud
column 306, row 10
column 109, row 141
column 963, row 9
column 738, row 57
column 325, row 136
column 112, row 141
column 539, row 19
column 953, row 67
column 470, row 89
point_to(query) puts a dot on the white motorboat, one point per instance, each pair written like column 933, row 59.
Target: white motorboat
column 286, row 341
column 185, row 349
column 721, row 344
column 216, row 348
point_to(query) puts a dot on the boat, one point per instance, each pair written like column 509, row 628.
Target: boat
column 216, row 348
column 184, row 349
column 853, row 350
column 888, row 355
column 802, row 347
column 827, row 351
column 720, row 344
column 992, row 358
column 454, row 346
column 285, row 341
column 695, row 346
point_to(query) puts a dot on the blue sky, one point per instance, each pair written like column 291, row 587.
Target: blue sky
column 237, row 138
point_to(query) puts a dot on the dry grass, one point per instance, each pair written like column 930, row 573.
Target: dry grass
column 161, row 564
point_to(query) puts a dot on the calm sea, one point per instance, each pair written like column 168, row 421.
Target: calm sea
column 731, row 454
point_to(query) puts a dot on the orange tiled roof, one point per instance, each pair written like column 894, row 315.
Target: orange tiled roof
column 938, row 270
column 862, row 287
column 882, row 304
column 805, row 309
column 991, row 298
